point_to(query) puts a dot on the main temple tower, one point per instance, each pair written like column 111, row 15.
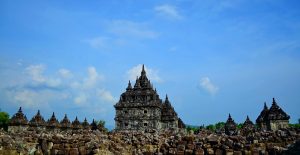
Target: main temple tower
column 140, row 108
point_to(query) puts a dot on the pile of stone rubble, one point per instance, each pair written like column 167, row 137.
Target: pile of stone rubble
column 83, row 142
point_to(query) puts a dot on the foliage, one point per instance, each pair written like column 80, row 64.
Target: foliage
column 4, row 119
column 239, row 126
column 220, row 125
column 211, row 127
column 295, row 125
column 101, row 123
column 191, row 127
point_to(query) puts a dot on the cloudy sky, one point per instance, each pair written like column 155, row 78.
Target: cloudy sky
column 211, row 57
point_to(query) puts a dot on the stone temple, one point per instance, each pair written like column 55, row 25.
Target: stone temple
column 272, row 119
column 141, row 109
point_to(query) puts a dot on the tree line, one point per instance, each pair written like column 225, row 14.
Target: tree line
column 220, row 125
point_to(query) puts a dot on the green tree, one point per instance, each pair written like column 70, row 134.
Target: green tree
column 101, row 125
column 211, row 127
column 4, row 118
column 239, row 126
column 294, row 126
column 190, row 127
column 219, row 125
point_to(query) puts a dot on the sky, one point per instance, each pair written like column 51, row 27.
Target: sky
column 211, row 57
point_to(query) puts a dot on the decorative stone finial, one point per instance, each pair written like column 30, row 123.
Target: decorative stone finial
column 52, row 122
column 265, row 106
column 129, row 87
column 76, row 124
column 94, row 125
column 85, row 124
column 137, row 83
column 230, row 126
column 37, row 120
column 143, row 70
column 274, row 102
column 20, row 110
column 18, row 119
column 65, row 123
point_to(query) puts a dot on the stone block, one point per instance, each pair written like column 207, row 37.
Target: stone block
column 218, row 152
column 237, row 153
column 181, row 147
column 190, row 146
column 188, row 152
column 210, row 151
column 172, row 151
column 180, row 152
column 199, row 151
column 229, row 152
column 74, row 151
column 82, row 150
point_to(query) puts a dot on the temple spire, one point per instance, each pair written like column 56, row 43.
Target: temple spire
column 20, row 110
column 137, row 83
column 129, row 87
column 265, row 106
column 229, row 116
column 274, row 102
column 143, row 70
column 167, row 102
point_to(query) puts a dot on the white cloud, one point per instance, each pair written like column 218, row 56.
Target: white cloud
column 106, row 96
column 80, row 99
column 45, row 90
column 207, row 85
column 136, row 71
column 121, row 33
column 126, row 28
column 34, row 99
column 36, row 72
column 65, row 73
column 26, row 97
column 98, row 42
column 169, row 11
column 92, row 79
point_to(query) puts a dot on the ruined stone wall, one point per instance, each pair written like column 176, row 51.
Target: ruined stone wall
column 278, row 124
column 170, row 124
column 19, row 128
column 139, row 118
column 263, row 126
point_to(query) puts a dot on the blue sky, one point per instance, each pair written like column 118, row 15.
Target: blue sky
column 211, row 57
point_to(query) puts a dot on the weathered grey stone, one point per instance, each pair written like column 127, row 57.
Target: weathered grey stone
column 199, row 151
column 140, row 108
